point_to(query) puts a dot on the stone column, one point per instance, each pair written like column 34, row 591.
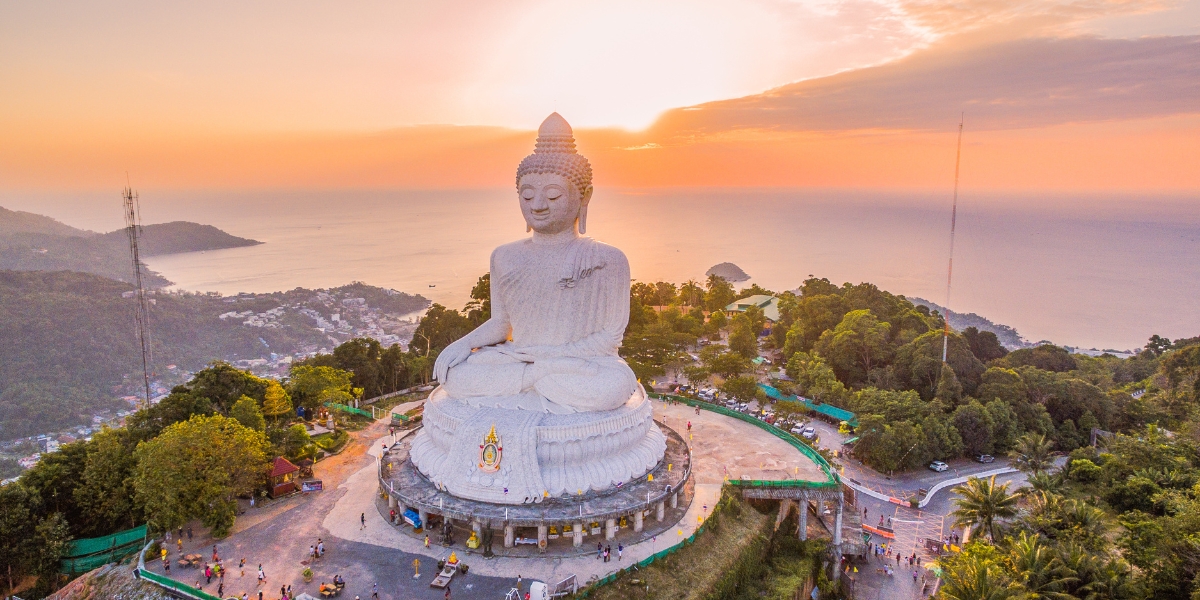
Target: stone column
column 610, row 529
column 542, row 538
column 392, row 501
column 578, row 541
column 509, row 536
column 424, row 517
column 477, row 527
column 660, row 510
column 803, row 518
column 637, row 521
column 675, row 500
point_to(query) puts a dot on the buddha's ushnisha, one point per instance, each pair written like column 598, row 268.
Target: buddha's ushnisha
column 560, row 301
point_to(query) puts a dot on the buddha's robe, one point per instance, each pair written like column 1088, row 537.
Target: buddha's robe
column 567, row 305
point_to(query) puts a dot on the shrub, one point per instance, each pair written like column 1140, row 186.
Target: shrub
column 1084, row 470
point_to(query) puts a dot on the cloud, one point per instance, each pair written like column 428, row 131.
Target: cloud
column 1007, row 85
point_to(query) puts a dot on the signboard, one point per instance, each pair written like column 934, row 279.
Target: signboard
column 311, row 486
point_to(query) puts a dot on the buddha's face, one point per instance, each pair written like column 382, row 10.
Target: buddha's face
column 549, row 204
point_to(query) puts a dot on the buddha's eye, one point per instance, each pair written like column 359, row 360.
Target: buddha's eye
column 528, row 193
column 553, row 193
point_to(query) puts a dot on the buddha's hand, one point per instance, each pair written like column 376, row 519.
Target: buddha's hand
column 450, row 357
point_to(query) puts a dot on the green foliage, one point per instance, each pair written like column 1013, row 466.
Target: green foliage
column 815, row 379
column 196, row 469
column 246, row 411
column 479, row 309
column 983, row 344
column 1046, row 357
column 292, row 441
column 974, row 423
column 855, row 346
column 743, row 387
column 276, row 404
column 105, row 493
column 981, row 502
column 1084, row 470
column 743, row 338
column 719, row 294
column 223, row 385
column 724, row 363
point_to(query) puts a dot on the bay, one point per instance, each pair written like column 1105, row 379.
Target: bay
column 1103, row 272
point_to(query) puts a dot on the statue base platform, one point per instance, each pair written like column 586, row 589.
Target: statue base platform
column 629, row 513
column 509, row 456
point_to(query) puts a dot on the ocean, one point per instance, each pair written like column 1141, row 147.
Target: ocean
column 1094, row 272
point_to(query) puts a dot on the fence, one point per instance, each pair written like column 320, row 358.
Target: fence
column 166, row 583
column 832, row 480
column 833, row 412
column 349, row 409
column 87, row 554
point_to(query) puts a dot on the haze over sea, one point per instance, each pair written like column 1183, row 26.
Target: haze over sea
column 1091, row 272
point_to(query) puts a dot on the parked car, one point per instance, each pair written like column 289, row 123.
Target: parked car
column 985, row 458
column 938, row 466
column 797, row 430
column 809, row 433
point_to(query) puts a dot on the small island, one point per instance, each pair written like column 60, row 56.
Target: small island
column 728, row 271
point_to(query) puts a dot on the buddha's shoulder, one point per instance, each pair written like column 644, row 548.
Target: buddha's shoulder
column 513, row 253
column 609, row 254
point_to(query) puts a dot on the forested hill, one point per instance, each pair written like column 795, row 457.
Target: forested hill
column 30, row 242
column 1008, row 336
column 69, row 346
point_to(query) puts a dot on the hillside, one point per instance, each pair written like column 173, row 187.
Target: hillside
column 1008, row 336
column 31, row 242
column 178, row 236
column 70, row 350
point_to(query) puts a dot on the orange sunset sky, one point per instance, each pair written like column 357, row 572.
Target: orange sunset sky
column 1063, row 96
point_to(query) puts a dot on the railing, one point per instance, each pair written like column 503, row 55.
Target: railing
column 832, row 480
column 166, row 583
column 349, row 409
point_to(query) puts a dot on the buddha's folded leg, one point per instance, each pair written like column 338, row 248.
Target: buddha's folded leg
column 588, row 385
column 485, row 374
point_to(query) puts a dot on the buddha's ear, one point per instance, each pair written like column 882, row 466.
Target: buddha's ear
column 583, row 204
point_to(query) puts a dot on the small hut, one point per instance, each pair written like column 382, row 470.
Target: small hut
column 283, row 477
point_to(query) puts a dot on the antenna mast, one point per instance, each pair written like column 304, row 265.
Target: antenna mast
column 953, row 223
column 133, row 227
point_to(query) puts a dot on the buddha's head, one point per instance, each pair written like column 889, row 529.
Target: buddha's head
column 554, row 183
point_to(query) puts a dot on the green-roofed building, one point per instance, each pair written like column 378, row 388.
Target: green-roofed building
column 768, row 304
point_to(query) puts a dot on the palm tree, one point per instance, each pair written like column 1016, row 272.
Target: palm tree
column 975, row 578
column 1044, row 483
column 1042, row 573
column 981, row 502
column 1032, row 453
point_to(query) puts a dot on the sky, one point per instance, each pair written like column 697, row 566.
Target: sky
column 1056, row 95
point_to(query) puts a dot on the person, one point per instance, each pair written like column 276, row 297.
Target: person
column 262, row 577
column 207, row 574
column 599, row 550
column 312, row 551
column 620, row 549
column 260, row 595
column 320, row 548
column 363, row 519
column 392, row 516
column 607, row 553
column 518, row 582
column 166, row 566
column 375, row 588
column 282, row 591
column 689, row 425
column 242, row 567
column 179, row 543
column 889, row 521
column 216, row 557
column 447, row 592
column 426, row 541
column 221, row 589
column 164, row 553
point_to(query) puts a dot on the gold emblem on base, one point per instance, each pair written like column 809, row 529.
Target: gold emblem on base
column 490, row 452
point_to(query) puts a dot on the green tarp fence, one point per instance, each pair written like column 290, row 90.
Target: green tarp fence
column 831, row 476
column 87, row 554
column 831, row 411
column 349, row 409
column 181, row 589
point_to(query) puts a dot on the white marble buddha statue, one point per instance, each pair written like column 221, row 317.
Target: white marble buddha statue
column 560, row 301
column 540, row 384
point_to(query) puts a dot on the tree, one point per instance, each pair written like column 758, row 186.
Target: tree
column 742, row 387
column 815, row 379
column 981, row 502
column 725, row 364
column 742, row 338
column 179, row 406
column 17, row 506
column 1158, row 345
column 974, row 424
column 292, row 442
column 983, row 344
column 246, row 410
column 52, row 538
column 691, row 294
column 438, row 328
column 196, row 469
column 1032, row 453
column 949, row 390
column 479, row 309
column 277, row 403
column 719, row 295
column 223, row 385
column 106, row 496
column 1040, row 571
column 1047, row 357
column 855, row 346
column 308, row 385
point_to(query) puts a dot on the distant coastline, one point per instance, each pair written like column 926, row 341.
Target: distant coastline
column 32, row 242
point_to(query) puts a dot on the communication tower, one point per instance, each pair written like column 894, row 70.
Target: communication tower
column 133, row 228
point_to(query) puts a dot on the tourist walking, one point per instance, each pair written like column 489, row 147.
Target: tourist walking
column 262, row 577
column 363, row 519
column 599, row 550
column 189, row 533
column 375, row 588
column 620, row 549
